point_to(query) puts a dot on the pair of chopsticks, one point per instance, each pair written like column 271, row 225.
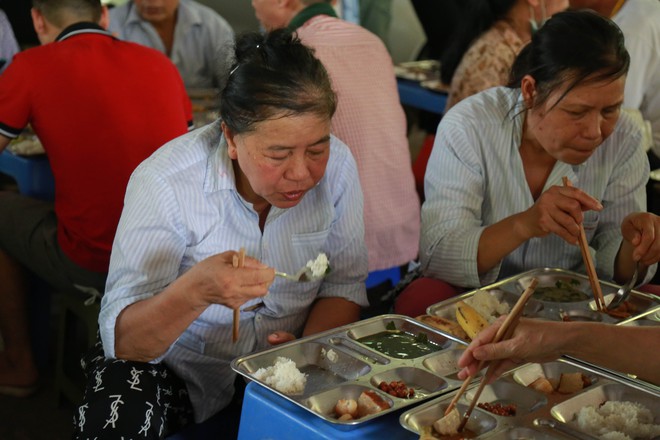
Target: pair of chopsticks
column 237, row 261
column 588, row 262
column 504, row 332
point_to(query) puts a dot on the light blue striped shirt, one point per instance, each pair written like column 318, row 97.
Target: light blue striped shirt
column 182, row 206
column 202, row 44
column 475, row 178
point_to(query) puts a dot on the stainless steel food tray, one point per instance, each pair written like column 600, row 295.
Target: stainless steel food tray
column 357, row 367
column 534, row 405
column 509, row 290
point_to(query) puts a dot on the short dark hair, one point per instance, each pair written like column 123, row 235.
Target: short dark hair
column 274, row 75
column 54, row 10
column 570, row 48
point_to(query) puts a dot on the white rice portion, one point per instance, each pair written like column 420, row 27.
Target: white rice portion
column 319, row 265
column 618, row 421
column 487, row 305
column 284, row 376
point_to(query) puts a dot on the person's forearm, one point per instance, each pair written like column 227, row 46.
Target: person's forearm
column 631, row 350
column 146, row 329
column 499, row 240
column 329, row 313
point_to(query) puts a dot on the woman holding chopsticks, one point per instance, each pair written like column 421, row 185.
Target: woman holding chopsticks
column 267, row 177
column 495, row 203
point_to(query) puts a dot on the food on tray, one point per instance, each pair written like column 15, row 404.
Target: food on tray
column 399, row 344
column 543, row 385
column 568, row 383
column 319, row 266
column 429, row 433
column 446, row 325
column 346, row 409
column 397, row 388
column 488, row 305
column 368, row 403
column 562, row 291
column 330, row 355
column 618, row 420
column 499, row 409
column 284, row 376
column 469, row 319
column 449, row 423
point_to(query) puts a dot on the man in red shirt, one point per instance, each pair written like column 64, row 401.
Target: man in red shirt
column 99, row 106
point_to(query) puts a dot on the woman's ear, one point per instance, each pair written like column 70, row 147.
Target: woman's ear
column 528, row 89
column 231, row 145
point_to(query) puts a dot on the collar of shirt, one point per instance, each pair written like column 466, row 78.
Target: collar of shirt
column 219, row 170
column 309, row 12
column 82, row 28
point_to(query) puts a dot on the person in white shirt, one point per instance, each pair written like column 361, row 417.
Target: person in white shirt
column 195, row 37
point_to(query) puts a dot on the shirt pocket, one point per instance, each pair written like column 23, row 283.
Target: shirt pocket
column 590, row 224
column 308, row 246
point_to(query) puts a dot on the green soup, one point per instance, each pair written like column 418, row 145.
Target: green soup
column 398, row 344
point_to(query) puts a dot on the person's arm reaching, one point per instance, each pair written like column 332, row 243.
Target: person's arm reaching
column 627, row 349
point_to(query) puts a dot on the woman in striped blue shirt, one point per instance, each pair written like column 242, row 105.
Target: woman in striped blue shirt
column 268, row 177
column 495, row 204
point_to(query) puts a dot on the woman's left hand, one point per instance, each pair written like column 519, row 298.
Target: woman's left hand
column 280, row 337
column 642, row 231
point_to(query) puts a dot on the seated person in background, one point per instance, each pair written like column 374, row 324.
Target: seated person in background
column 639, row 21
column 628, row 349
column 369, row 119
column 490, row 34
column 195, row 37
column 8, row 44
column 99, row 106
column 495, row 203
column 267, row 176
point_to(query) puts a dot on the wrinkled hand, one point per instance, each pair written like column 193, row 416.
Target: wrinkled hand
column 280, row 337
column 559, row 210
column 531, row 342
column 642, row 231
column 218, row 282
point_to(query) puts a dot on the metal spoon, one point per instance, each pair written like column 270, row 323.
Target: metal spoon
column 306, row 273
column 624, row 291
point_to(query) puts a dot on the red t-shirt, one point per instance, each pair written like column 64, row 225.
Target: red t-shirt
column 100, row 106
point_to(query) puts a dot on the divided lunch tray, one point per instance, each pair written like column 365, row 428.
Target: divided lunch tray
column 643, row 305
column 339, row 367
column 535, row 409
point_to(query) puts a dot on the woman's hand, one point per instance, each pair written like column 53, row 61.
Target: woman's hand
column 532, row 341
column 559, row 210
column 219, row 282
column 642, row 232
column 280, row 337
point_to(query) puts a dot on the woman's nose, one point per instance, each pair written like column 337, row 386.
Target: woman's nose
column 297, row 169
column 592, row 126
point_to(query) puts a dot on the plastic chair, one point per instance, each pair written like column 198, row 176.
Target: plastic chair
column 32, row 174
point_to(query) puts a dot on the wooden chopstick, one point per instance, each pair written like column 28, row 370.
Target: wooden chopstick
column 237, row 261
column 588, row 262
column 504, row 332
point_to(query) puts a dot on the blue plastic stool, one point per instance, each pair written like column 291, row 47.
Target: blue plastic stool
column 379, row 276
column 32, row 174
column 266, row 415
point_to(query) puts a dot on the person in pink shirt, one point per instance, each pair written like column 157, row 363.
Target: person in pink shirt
column 369, row 119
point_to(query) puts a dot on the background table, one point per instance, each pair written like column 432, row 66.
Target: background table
column 412, row 94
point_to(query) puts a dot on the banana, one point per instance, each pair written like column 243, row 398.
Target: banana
column 469, row 319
